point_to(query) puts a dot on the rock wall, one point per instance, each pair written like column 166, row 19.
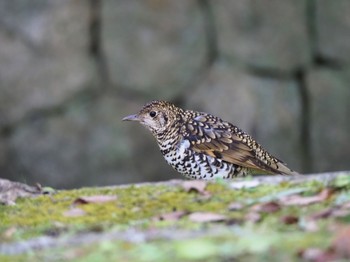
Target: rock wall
column 71, row 69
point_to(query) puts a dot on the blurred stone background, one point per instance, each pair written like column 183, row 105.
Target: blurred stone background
column 71, row 69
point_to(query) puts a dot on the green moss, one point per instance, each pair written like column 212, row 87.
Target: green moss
column 135, row 207
column 132, row 204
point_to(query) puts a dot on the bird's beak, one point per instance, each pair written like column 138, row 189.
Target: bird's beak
column 131, row 118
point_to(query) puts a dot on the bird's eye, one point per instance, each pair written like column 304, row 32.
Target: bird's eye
column 152, row 113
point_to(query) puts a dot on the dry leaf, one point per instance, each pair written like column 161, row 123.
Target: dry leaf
column 338, row 211
column 74, row 212
column 322, row 214
column 172, row 216
column 94, row 199
column 197, row 186
column 303, row 201
column 289, row 220
column 206, row 217
column 269, row 207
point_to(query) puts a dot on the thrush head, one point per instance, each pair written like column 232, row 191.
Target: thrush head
column 157, row 116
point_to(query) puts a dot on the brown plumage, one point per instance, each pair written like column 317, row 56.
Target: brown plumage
column 203, row 146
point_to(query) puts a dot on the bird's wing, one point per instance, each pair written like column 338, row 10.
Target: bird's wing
column 212, row 136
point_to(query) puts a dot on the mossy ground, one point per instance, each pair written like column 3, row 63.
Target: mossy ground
column 136, row 207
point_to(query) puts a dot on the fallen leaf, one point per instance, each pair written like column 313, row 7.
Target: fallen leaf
column 235, row 206
column 172, row 216
column 289, row 220
column 206, row 217
column 269, row 207
column 338, row 211
column 197, row 186
column 322, row 214
column 341, row 242
column 94, row 199
column 74, row 212
column 303, row 201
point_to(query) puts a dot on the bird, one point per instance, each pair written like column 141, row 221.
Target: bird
column 203, row 146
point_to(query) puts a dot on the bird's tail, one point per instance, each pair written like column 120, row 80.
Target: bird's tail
column 284, row 170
